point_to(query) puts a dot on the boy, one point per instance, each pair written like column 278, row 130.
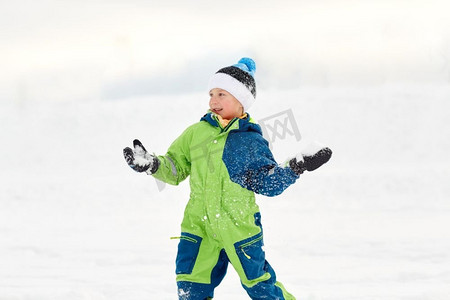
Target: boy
column 228, row 160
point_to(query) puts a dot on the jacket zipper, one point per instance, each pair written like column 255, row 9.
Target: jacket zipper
column 223, row 129
column 229, row 124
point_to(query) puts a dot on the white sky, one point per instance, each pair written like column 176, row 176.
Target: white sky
column 94, row 48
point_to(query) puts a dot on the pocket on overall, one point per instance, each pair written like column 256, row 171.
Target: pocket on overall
column 252, row 256
column 188, row 249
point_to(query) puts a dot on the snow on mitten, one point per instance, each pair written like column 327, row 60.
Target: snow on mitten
column 310, row 158
column 139, row 159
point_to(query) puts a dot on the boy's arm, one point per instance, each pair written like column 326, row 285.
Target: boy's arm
column 264, row 175
column 252, row 166
column 278, row 178
column 175, row 166
column 255, row 168
column 172, row 171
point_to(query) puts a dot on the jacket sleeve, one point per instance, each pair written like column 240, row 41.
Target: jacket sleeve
column 252, row 166
column 175, row 166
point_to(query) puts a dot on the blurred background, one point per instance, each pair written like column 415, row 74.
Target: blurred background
column 84, row 50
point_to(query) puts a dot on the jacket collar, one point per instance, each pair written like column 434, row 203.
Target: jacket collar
column 245, row 124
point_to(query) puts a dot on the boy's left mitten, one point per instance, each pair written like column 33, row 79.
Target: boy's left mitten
column 310, row 159
column 139, row 159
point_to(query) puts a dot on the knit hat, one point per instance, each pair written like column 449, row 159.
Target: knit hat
column 237, row 80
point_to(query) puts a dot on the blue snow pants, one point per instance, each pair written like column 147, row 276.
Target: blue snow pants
column 246, row 255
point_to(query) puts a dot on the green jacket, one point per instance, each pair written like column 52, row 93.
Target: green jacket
column 226, row 167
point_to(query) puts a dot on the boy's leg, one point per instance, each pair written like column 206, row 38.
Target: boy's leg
column 201, row 266
column 257, row 276
column 268, row 289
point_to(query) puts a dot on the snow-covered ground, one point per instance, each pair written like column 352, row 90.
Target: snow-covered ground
column 77, row 223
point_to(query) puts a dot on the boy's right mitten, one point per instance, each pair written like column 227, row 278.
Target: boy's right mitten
column 139, row 159
column 310, row 159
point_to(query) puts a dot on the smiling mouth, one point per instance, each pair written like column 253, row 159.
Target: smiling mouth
column 216, row 110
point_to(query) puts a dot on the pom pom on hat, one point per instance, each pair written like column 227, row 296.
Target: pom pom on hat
column 247, row 64
column 237, row 80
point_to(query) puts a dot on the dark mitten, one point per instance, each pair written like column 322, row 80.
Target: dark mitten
column 308, row 162
column 139, row 159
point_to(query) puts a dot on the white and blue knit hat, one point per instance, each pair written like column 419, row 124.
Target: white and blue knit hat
column 237, row 80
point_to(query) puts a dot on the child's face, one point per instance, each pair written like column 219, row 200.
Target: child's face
column 224, row 104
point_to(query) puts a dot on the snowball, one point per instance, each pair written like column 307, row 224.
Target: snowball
column 311, row 149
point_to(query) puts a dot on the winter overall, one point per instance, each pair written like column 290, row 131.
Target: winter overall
column 221, row 221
